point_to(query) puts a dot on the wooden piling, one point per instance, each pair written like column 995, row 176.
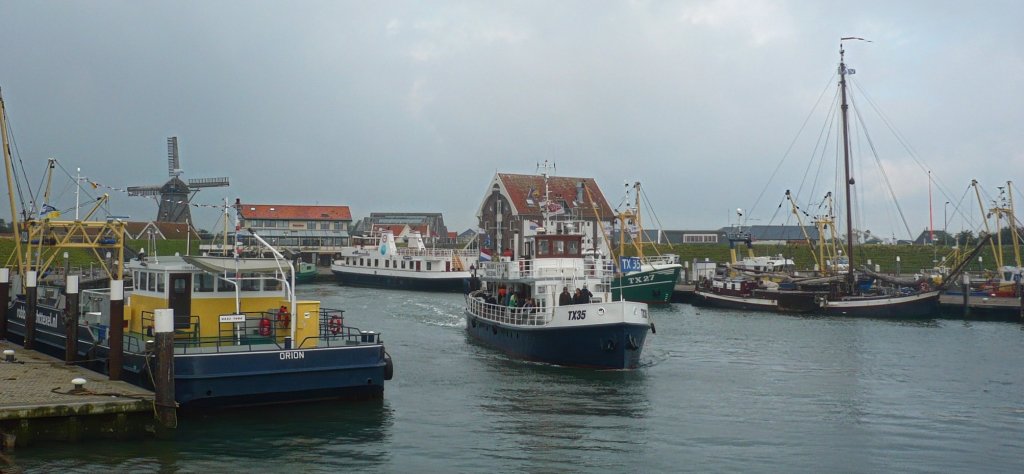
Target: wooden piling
column 116, row 338
column 966, row 284
column 164, row 377
column 30, row 309
column 5, row 298
column 71, row 319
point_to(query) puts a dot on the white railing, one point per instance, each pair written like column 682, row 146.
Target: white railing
column 521, row 316
column 661, row 259
column 562, row 269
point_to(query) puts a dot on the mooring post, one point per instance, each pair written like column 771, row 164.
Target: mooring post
column 164, row 377
column 5, row 295
column 116, row 339
column 71, row 319
column 967, row 294
column 30, row 308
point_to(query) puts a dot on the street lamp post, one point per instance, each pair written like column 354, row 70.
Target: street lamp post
column 945, row 223
column 897, row 265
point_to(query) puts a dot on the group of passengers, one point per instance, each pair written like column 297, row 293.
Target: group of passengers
column 510, row 298
column 581, row 296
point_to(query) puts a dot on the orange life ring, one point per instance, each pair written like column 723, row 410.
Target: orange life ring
column 264, row 327
column 283, row 317
column 335, row 324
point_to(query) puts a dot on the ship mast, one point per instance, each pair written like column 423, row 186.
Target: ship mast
column 9, row 169
column 846, row 162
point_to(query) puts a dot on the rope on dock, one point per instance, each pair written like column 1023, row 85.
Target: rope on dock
column 90, row 393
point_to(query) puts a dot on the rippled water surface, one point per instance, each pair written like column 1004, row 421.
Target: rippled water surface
column 718, row 391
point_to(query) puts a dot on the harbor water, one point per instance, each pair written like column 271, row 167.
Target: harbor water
column 717, row 391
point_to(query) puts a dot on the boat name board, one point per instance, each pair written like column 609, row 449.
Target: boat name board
column 629, row 264
column 232, row 318
column 292, row 355
column 640, row 279
column 44, row 319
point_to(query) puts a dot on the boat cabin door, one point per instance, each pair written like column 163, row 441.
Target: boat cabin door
column 180, row 298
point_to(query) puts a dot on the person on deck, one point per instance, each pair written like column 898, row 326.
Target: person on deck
column 577, row 297
column 564, row 298
column 586, row 294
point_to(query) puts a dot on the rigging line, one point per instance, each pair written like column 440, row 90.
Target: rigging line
column 914, row 155
column 791, row 144
column 885, row 177
column 16, row 152
column 651, row 207
column 858, row 197
column 72, row 178
column 822, row 142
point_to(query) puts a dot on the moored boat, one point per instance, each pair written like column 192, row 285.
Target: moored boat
column 376, row 261
column 241, row 337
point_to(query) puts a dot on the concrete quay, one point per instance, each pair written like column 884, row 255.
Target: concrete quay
column 39, row 402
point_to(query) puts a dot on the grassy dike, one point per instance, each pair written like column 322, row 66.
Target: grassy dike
column 912, row 257
column 84, row 257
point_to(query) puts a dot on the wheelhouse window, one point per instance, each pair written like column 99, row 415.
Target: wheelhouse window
column 160, row 282
column 250, row 282
column 202, row 283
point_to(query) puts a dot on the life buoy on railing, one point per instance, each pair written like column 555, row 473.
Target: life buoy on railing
column 264, row 326
column 335, row 324
column 283, row 317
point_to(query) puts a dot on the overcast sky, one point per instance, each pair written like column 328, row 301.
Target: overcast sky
column 413, row 106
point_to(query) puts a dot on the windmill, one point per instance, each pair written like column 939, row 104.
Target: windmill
column 175, row 194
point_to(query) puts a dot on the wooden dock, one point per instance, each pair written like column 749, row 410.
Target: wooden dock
column 38, row 402
column 981, row 307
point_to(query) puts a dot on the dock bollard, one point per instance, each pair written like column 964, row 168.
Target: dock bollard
column 163, row 379
column 8, row 355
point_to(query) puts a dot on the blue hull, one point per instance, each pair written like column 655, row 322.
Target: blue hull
column 401, row 283
column 234, row 378
column 265, row 377
column 612, row 346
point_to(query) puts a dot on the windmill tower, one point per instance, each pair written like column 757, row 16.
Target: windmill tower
column 175, row 195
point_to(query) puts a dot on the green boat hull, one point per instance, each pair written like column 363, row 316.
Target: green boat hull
column 651, row 287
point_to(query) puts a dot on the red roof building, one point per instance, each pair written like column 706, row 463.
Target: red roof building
column 315, row 232
column 511, row 209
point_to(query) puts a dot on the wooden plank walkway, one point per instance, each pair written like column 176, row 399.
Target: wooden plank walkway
column 38, row 401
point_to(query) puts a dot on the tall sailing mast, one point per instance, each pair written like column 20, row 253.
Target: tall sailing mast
column 846, row 162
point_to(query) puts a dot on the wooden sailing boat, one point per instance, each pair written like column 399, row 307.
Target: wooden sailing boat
column 845, row 298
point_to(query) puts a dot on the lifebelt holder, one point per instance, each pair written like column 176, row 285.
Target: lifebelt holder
column 283, row 317
column 336, row 324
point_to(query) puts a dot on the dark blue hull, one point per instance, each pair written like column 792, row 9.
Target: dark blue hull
column 265, row 377
column 233, row 378
column 611, row 346
column 401, row 283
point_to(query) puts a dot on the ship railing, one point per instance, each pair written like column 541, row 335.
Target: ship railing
column 334, row 332
column 521, row 316
column 667, row 259
column 571, row 270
